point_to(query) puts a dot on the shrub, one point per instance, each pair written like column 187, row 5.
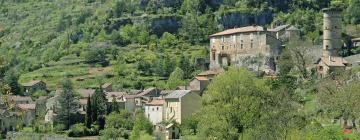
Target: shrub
column 78, row 130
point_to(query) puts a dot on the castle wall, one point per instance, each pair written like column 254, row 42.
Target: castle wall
column 243, row 49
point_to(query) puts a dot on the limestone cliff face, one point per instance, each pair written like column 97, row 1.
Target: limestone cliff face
column 157, row 24
column 239, row 19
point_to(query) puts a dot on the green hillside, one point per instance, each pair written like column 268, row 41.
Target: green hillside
column 34, row 34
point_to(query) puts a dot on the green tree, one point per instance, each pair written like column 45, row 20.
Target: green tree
column 96, row 55
column 285, row 62
column 11, row 79
column 168, row 40
column 186, row 66
column 117, row 123
column 88, row 118
column 141, row 124
column 99, row 107
column 67, row 111
column 351, row 14
column 176, row 78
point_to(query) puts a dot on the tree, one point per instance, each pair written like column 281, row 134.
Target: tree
column 176, row 78
column 168, row 40
column 285, row 62
column 300, row 51
column 238, row 103
column 186, row 66
column 11, row 79
column 96, row 55
column 88, row 119
column 99, row 107
column 67, row 111
column 117, row 123
column 351, row 14
column 338, row 96
column 141, row 124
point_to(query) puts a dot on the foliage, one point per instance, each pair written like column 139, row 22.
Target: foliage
column 88, row 118
column 99, row 107
column 176, row 78
column 96, row 56
column 11, row 79
column 67, row 111
column 77, row 130
column 141, row 124
column 117, row 124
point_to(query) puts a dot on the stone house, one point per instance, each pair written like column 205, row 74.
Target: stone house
column 199, row 84
column 172, row 131
column 21, row 99
column 107, row 87
column 154, row 111
column 253, row 47
column 180, row 104
column 33, row 86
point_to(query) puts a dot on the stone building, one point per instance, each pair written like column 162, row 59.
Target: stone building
column 33, row 86
column 253, row 47
column 331, row 58
column 180, row 104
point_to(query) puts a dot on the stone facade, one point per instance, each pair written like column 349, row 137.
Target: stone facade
column 253, row 47
column 331, row 58
column 180, row 104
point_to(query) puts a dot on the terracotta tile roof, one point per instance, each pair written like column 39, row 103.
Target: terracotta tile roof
column 27, row 106
column 201, row 78
column 334, row 61
column 209, row 72
column 31, row 83
column 156, row 102
column 83, row 101
column 239, row 30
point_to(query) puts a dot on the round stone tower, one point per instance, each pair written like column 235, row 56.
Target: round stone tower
column 332, row 32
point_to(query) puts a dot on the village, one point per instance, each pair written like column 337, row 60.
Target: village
column 238, row 47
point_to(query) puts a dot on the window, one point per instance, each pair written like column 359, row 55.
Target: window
column 251, row 45
column 320, row 68
column 241, row 46
column 222, row 47
column 335, row 27
column 157, row 108
column 251, row 36
column 222, row 39
column 213, row 56
column 171, row 110
column 326, row 47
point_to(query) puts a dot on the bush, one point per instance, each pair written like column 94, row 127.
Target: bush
column 78, row 130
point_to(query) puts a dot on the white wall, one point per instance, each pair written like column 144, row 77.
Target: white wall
column 154, row 113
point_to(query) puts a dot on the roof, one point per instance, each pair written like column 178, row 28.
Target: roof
column 177, row 94
column 165, row 92
column 279, row 28
column 115, row 94
column 332, row 9
column 83, row 101
column 239, row 30
column 209, row 72
column 85, row 92
column 27, row 106
column 21, row 98
column 156, row 102
column 335, row 61
column 31, row 83
column 353, row 59
column 292, row 28
column 201, row 78
column 356, row 39
column 106, row 85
